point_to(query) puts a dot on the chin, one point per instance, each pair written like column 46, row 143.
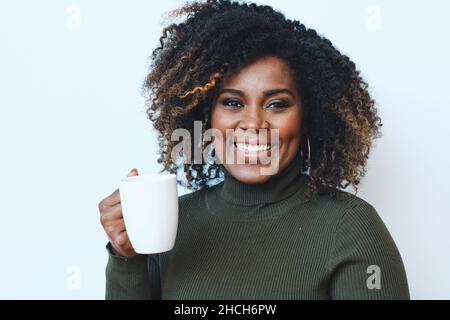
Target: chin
column 247, row 173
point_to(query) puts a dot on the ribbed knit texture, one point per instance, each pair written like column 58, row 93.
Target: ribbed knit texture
column 263, row 241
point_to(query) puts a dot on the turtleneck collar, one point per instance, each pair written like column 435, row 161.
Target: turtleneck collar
column 280, row 186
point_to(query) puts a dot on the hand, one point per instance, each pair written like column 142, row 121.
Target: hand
column 111, row 218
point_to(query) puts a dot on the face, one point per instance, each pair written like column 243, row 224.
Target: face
column 263, row 95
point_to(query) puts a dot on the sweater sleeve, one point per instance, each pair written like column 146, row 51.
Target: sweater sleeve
column 132, row 278
column 364, row 260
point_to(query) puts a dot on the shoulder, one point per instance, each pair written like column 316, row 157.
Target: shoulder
column 360, row 241
column 191, row 196
column 358, row 214
column 358, row 227
column 195, row 195
column 348, row 216
column 192, row 202
column 345, row 205
column 188, row 196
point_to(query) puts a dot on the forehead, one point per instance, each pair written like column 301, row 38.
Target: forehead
column 264, row 73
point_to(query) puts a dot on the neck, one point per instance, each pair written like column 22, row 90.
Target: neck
column 278, row 187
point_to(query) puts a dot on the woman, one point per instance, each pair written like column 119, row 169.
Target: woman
column 292, row 234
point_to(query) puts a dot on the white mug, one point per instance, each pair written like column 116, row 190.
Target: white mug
column 150, row 211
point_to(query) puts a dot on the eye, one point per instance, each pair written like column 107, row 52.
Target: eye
column 278, row 105
column 231, row 103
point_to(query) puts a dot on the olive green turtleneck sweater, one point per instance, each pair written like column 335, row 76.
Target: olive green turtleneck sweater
column 241, row 241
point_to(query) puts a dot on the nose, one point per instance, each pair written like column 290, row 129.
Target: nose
column 253, row 117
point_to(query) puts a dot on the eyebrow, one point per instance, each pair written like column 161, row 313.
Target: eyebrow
column 267, row 93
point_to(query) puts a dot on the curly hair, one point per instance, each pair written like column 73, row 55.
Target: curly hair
column 219, row 37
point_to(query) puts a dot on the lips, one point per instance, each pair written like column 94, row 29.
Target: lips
column 245, row 147
column 251, row 141
column 248, row 144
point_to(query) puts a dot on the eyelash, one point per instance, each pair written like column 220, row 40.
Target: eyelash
column 282, row 104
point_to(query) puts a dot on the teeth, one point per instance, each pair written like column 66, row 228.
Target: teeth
column 252, row 148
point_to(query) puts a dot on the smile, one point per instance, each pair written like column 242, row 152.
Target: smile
column 252, row 148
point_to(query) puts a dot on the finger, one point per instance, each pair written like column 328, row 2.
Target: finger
column 121, row 225
column 111, row 216
column 133, row 172
column 114, row 229
column 128, row 247
column 122, row 240
column 111, row 200
column 114, row 198
column 112, row 213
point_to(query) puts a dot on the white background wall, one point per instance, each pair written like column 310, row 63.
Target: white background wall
column 73, row 123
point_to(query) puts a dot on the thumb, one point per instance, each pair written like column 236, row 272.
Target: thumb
column 133, row 172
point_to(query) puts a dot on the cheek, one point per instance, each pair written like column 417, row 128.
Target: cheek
column 215, row 119
column 220, row 118
column 221, row 123
column 289, row 126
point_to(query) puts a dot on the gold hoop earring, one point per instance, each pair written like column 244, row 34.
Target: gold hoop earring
column 306, row 163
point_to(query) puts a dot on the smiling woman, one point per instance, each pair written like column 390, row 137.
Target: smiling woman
column 219, row 38
column 294, row 234
column 262, row 95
